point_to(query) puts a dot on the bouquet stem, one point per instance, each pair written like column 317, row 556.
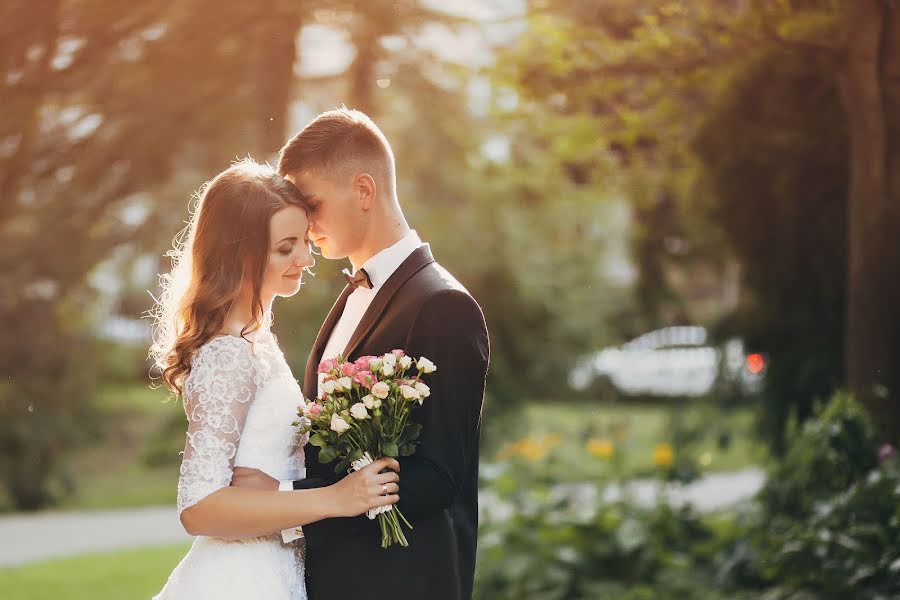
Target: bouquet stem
column 391, row 532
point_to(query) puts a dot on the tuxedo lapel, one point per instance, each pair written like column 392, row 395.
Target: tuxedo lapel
column 310, row 378
column 415, row 262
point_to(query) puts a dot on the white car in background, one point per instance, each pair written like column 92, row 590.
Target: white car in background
column 672, row 362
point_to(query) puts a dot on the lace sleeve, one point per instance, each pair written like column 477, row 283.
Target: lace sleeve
column 217, row 396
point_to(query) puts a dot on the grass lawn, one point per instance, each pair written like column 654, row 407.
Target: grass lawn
column 129, row 574
column 560, row 435
column 111, row 473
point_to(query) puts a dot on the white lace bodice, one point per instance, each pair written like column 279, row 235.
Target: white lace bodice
column 240, row 400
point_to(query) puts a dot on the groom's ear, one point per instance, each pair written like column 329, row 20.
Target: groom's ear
column 365, row 187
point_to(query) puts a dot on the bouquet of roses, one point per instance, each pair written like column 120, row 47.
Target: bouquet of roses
column 363, row 415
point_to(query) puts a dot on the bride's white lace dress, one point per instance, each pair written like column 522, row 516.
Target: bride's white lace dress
column 240, row 401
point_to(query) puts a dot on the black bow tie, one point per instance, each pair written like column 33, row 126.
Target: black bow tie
column 361, row 279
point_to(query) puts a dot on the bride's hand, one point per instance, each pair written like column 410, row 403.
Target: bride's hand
column 369, row 488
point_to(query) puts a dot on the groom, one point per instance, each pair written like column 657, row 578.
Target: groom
column 396, row 297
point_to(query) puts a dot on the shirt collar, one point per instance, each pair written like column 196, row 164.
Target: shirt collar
column 381, row 266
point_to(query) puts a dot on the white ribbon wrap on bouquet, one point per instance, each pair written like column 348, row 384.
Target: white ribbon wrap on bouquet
column 356, row 465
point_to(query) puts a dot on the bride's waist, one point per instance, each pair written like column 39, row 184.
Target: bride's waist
column 217, row 541
column 279, row 472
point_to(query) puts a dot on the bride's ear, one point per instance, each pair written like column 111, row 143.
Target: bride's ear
column 366, row 189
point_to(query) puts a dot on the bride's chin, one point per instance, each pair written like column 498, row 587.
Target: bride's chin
column 290, row 292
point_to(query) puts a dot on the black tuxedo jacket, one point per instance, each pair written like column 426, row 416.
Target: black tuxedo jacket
column 423, row 310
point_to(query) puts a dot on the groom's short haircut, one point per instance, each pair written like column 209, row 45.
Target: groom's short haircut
column 341, row 142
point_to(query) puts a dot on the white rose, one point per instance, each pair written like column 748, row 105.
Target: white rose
column 425, row 365
column 409, row 392
column 377, row 403
column 387, row 369
column 389, row 359
column 381, row 390
column 359, row 411
column 423, row 389
column 375, row 365
column 338, row 424
column 328, row 387
column 346, row 383
column 369, row 401
column 405, row 362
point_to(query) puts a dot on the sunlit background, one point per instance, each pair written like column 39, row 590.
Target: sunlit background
column 680, row 218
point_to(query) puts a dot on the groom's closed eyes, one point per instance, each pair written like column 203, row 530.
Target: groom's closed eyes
column 312, row 203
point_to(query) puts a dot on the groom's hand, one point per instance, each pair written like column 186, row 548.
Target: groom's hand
column 253, row 479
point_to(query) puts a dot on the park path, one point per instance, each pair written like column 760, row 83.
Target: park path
column 26, row 538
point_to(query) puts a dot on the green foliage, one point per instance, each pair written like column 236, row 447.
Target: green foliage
column 570, row 543
column 48, row 371
column 848, row 546
column 774, row 151
column 162, row 446
column 826, row 456
column 105, row 110
column 824, row 526
column 828, row 519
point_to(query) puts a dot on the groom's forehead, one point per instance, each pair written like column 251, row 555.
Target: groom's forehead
column 312, row 182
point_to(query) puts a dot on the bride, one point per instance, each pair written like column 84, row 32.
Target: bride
column 246, row 243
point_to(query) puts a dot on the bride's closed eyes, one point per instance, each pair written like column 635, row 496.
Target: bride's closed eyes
column 285, row 250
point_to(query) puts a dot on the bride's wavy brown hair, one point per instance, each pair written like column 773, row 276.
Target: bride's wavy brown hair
column 224, row 247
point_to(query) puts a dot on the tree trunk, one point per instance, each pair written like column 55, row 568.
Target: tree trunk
column 872, row 299
column 276, row 80
column 890, row 81
column 38, row 28
column 361, row 73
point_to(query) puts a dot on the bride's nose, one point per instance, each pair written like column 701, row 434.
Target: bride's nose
column 305, row 261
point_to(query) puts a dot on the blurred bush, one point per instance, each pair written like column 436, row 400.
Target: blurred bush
column 825, row 525
column 828, row 520
column 567, row 542
column 45, row 390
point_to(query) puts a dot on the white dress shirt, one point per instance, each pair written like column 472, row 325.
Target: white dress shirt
column 379, row 269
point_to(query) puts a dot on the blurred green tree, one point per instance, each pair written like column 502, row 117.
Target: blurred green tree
column 108, row 111
column 646, row 76
column 528, row 244
column 774, row 150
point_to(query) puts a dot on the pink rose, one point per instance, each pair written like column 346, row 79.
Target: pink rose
column 362, row 363
column 398, row 353
column 366, row 379
column 327, row 365
column 313, row 409
column 349, row 369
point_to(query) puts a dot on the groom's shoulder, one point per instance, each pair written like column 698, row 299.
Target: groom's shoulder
column 439, row 292
column 435, row 280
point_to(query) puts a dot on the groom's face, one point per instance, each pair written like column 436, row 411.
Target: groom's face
column 335, row 226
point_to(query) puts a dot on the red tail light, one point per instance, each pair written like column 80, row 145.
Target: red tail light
column 756, row 363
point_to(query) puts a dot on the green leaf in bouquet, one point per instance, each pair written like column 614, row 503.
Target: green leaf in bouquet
column 355, row 455
column 328, row 454
column 410, row 433
column 342, row 466
column 317, row 439
column 407, row 449
column 390, row 449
